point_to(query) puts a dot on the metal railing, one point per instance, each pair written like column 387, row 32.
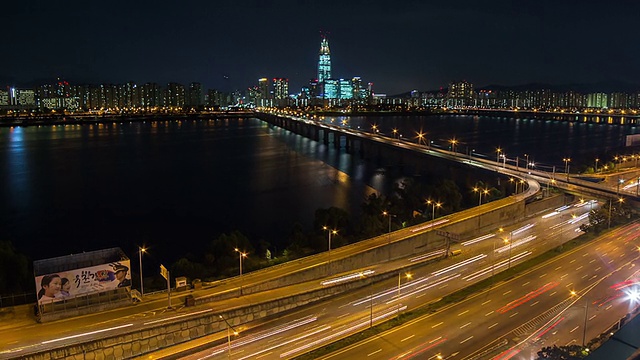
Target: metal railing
column 17, row 299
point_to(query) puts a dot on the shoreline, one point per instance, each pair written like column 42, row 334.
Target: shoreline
column 26, row 121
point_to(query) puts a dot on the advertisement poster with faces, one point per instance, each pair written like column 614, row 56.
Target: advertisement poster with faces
column 68, row 284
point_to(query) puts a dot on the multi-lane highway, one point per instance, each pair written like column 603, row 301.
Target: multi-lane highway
column 322, row 323
column 514, row 319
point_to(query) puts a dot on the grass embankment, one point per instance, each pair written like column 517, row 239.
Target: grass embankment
column 452, row 298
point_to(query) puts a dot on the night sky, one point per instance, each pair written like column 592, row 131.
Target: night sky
column 397, row 45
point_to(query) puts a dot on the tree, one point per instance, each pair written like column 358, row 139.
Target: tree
column 221, row 254
column 571, row 352
column 14, row 270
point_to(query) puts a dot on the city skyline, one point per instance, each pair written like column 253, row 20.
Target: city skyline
column 399, row 47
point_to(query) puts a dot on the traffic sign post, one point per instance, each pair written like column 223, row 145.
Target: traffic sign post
column 449, row 236
column 165, row 274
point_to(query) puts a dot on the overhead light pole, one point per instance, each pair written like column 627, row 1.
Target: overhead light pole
column 408, row 276
column 331, row 232
column 241, row 255
column 140, row 251
column 566, row 166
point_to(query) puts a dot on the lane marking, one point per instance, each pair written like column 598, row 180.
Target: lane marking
column 492, row 326
column 464, row 312
column 375, row 352
column 465, row 340
column 489, row 313
column 438, row 324
column 465, row 325
column 407, row 338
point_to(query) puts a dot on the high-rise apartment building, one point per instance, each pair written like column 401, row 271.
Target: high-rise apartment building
column 460, row 94
column 281, row 91
column 331, row 88
column 346, row 89
column 263, row 95
column 195, row 96
column 324, row 61
column 175, row 95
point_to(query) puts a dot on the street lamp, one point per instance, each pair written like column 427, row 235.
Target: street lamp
column 527, row 164
column 408, row 276
column 586, row 308
column 395, row 133
column 566, row 166
column 620, row 181
column 597, row 164
column 228, row 335
column 498, row 151
column 241, row 255
column 620, row 200
column 453, row 142
column 508, row 241
column 420, row 137
column 480, row 192
column 140, row 251
column 434, row 205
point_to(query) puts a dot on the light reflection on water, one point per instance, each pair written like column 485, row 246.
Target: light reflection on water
column 178, row 185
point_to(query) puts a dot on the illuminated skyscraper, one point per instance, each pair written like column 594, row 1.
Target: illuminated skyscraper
column 324, row 61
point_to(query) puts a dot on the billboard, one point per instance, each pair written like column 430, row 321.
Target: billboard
column 65, row 285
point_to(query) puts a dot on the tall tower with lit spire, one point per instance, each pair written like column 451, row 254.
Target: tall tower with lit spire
column 324, row 61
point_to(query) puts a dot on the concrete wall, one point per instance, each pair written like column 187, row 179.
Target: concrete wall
column 144, row 340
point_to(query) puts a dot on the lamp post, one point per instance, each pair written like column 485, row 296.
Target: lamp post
column 508, row 241
column 620, row 181
column 480, row 192
column 395, row 133
column 408, row 276
column 620, row 200
column 512, row 180
column 498, row 151
column 527, row 164
column 597, row 164
column 331, row 232
column 241, row 255
column 566, row 166
column 453, row 145
column 434, row 205
column 228, row 335
column 586, row 309
column 140, row 251
column 420, row 137
column 389, row 215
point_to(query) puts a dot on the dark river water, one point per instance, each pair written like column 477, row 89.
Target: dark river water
column 176, row 185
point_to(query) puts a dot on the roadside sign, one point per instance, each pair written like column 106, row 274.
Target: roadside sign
column 164, row 272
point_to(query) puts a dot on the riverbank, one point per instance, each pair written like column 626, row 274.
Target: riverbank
column 82, row 119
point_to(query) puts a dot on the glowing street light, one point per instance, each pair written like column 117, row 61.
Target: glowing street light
column 566, row 166
column 229, row 335
column 434, row 205
column 453, row 142
column 620, row 200
column 395, row 133
column 586, row 308
column 421, row 137
column 498, row 151
column 140, row 251
column 408, row 277
column 596, row 170
column 241, row 255
column 508, row 241
column 480, row 193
